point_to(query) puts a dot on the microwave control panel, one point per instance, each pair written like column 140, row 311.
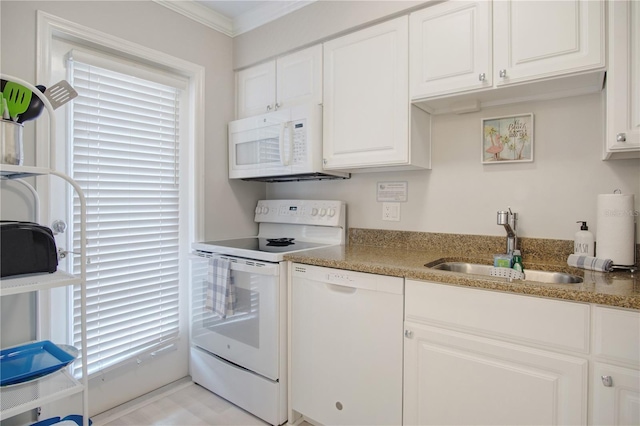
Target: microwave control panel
column 299, row 142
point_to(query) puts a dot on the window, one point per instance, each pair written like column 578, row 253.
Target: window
column 126, row 157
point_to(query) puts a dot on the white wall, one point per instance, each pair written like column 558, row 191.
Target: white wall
column 460, row 195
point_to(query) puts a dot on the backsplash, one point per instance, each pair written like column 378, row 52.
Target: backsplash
column 533, row 249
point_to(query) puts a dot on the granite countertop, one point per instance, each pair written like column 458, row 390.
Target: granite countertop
column 619, row 289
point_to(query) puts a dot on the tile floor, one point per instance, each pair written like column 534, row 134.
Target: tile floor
column 180, row 404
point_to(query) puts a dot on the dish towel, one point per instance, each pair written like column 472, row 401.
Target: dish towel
column 588, row 262
column 221, row 291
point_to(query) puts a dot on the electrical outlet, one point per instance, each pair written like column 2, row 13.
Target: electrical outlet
column 391, row 211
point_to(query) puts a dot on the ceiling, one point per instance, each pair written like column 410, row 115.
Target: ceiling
column 232, row 9
column 234, row 17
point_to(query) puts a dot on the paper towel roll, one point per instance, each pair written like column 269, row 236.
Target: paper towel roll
column 615, row 238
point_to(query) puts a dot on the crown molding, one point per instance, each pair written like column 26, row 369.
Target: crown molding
column 270, row 11
column 201, row 14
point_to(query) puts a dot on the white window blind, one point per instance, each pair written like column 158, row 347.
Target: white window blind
column 125, row 157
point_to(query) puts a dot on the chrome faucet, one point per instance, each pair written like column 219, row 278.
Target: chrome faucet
column 509, row 220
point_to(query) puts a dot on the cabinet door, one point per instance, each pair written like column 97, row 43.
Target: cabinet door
column 463, row 61
column 539, row 39
column 616, row 336
column 366, row 97
column 453, row 378
column 299, row 78
column 623, row 76
column 256, row 90
column 616, row 395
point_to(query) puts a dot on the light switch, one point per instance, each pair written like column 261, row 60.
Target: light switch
column 391, row 211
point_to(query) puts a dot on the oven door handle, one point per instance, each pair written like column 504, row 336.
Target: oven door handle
column 258, row 267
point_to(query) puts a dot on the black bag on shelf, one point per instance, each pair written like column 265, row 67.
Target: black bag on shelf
column 26, row 248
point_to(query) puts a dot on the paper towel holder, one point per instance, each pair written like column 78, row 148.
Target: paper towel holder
column 630, row 267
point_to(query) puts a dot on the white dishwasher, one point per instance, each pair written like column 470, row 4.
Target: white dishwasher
column 346, row 346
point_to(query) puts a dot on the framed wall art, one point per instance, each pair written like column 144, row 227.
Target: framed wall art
column 507, row 139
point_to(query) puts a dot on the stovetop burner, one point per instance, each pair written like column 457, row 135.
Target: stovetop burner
column 280, row 242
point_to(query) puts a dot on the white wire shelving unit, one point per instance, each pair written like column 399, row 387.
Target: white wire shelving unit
column 21, row 398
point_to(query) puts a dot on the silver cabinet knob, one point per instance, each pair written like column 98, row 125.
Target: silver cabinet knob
column 482, row 77
column 621, row 137
column 277, row 106
column 268, row 108
column 324, row 161
column 607, row 381
column 408, row 334
column 503, row 73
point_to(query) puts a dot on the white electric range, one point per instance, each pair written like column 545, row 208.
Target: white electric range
column 243, row 357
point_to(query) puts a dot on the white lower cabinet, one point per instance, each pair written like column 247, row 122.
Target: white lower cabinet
column 615, row 384
column 479, row 357
column 616, row 395
column 469, row 356
column 455, row 378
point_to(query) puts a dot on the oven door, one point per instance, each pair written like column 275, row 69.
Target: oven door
column 249, row 337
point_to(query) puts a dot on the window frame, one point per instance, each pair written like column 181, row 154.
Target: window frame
column 50, row 27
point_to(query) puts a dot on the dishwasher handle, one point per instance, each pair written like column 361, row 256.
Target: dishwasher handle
column 338, row 288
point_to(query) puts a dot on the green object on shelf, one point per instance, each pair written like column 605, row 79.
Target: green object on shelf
column 18, row 98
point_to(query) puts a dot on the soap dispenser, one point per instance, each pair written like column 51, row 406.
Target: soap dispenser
column 583, row 241
column 517, row 261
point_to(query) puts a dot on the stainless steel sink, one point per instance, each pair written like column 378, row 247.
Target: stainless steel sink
column 530, row 274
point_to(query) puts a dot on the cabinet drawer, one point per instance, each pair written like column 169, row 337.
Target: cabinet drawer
column 526, row 319
column 616, row 335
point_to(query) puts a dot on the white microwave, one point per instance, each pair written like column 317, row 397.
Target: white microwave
column 284, row 145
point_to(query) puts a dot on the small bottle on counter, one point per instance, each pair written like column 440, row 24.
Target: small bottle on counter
column 517, row 261
column 583, row 242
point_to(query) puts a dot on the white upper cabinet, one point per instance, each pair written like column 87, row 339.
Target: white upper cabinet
column 461, row 50
column 450, row 48
column 623, row 81
column 367, row 113
column 256, row 90
column 538, row 39
column 288, row 81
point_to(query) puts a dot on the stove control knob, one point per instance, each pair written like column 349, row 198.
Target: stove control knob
column 323, row 211
column 258, row 210
column 265, row 210
column 314, row 211
column 331, row 212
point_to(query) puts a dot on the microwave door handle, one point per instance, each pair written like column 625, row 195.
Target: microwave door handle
column 282, row 126
column 290, row 126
